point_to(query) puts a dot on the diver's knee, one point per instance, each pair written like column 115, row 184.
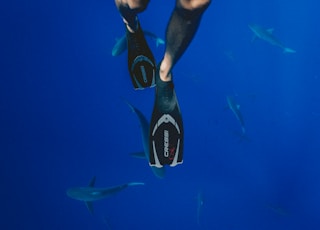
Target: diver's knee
column 134, row 5
column 138, row 5
column 193, row 5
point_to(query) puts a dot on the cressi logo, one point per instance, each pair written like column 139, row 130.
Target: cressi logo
column 166, row 143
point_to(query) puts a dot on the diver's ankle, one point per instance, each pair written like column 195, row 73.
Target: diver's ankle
column 164, row 73
column 165, row 77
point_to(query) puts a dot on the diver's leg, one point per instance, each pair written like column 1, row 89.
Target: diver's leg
column 181, row 29
column 166, row 127
column 141, row 63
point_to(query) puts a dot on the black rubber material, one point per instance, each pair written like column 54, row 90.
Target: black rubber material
column 166, row 127
column 141, row 62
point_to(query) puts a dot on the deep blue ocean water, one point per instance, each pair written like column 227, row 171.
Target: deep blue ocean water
column 63, row 120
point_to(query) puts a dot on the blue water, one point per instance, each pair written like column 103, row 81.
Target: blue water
column 63, row 120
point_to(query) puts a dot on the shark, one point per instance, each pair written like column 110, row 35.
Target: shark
column 145, row 154
column 121, row 43
column 267, row 35
column 235, row 108
column 90, row 193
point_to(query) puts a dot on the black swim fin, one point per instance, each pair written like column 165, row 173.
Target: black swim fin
column 166, row 127
column 141, row 62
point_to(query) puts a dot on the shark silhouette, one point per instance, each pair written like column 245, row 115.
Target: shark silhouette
column 90, row 193
column 199, row 206
column 235, row 108
column 267, row 35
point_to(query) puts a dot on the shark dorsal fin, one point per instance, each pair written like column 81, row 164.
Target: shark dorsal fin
column 92, row 182
column 159, row 41
column 270, row 31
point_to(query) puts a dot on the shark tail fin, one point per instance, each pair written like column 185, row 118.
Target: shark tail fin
column 288, row 50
